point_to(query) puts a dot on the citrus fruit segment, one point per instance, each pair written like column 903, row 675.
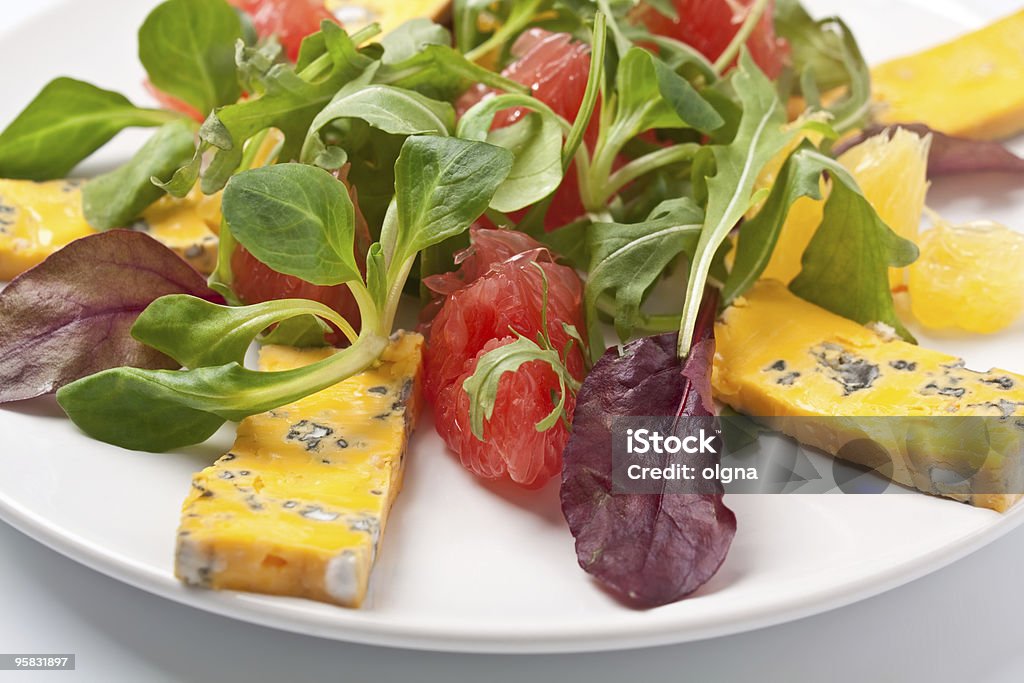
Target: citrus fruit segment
column 498, row 293
column 555, row 67
column 507, row 296
column 289, row 20
column 512, row 446
column 710, row 25
column 969, row 277
column 892, row 174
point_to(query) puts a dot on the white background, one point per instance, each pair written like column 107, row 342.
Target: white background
column 960, row 623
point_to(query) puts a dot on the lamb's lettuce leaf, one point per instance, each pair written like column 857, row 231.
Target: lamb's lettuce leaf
column 66, row 122
column 443, row 184
column 114, row 199
column 188, row 50
column 297, row 219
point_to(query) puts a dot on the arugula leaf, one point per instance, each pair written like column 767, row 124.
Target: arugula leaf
column 760, row 137
column 290, row 103
column 850, row 248
column 254, row 63
column 188, row 50
column 628, row 259
column 192, row 331
column 826, row 56
column 813, row 46
column 800, row 176
column 387, row 108
column 482, row 385
column 114, row 199
column 410, row 38
column 689, row 105
column 649, row 96
column 297, row 219
column 846, row 265
column 66, row 122
column 184, row 178
column 442, row 185
column 677, row 55
column 570, row 243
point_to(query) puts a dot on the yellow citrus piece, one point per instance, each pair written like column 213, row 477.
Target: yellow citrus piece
column 892, row 174
column 803, row 220
column 771, row 170
column 969, row 276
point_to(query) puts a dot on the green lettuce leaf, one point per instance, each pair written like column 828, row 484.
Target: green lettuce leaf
column 846, row 265
column 188, row 50
column 761, row 135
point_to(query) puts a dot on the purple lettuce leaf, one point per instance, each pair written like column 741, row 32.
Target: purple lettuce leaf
column 71, row 315
column 950, row 155
column 649, row 550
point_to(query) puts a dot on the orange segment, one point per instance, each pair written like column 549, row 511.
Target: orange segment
column 892, row 174
column 970, row 277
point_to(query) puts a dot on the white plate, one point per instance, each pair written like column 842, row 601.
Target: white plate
column 468, row 566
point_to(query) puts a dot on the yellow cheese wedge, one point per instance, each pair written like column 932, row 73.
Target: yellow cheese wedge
column 188, row 226
column 299, row 504
column 784, row 359
column 37, row 219
column 356, row 14
column 970, row 86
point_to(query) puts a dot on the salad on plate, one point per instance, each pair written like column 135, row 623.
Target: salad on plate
column 586, row 211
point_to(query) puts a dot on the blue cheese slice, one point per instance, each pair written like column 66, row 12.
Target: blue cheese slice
column 299, row 504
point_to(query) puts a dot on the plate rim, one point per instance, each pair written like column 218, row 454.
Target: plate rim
column 439, row 636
